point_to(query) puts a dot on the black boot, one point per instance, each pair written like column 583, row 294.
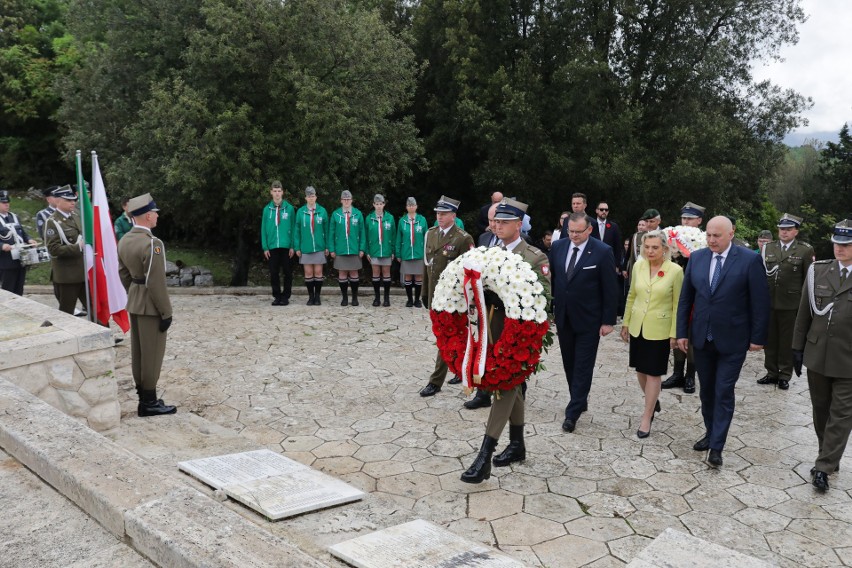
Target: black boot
column 408, row 292
column 515, row 451
column 689, row 379
column 377, row 287
column 317, row 291
column 677, row 378
column 417, row 288
column 481, row 400
column 310, row 286
column 480, row 469
column 151, row 406
column 354, row 284
column 386, row 283
column 344, row 290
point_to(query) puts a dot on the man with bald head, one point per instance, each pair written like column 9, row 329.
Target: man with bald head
column 724, row 308
column 482, row 221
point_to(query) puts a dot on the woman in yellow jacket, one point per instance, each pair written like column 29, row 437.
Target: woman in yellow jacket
column 650, row 319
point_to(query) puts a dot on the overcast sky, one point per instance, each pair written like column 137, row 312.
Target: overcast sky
column 819, row 67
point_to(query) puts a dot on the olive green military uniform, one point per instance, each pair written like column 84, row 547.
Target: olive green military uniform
column 785, row 271
column 61, row 236
column 439, row 251
column 510, row 406
column 142, row 267
column 827, row 344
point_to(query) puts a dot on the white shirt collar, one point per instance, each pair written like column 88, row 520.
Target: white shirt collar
column 511, row 246
column 725, row 252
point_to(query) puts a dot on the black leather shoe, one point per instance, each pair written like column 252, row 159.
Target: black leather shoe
column 377, row 302
column 418, row 304
column 702, row 445
column 783, row 384
column 355, row 300
column 430, row 390
column 715, row 458
column 455, row 380
column 820, row 481
column 481, row 400
column 516, row 451
column 767, row 380
column 640, row 434
column 674, row 381
column 409, row 303
column 284, row 302
column 150, row 405
column 813, row 470
column 344, row 301
column 276, row 302
column 689, row 385
column 657, row 407
column 568, row 425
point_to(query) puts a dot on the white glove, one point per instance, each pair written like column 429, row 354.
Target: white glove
column 80, row 241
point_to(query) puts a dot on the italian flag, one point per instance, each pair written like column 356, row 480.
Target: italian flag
column 108, row 295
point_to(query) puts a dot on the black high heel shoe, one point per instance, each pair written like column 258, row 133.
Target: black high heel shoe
column 657, row 407
column 640, row 434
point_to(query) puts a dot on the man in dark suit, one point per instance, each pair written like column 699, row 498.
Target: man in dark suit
column 482, row 220
column 585, row 299
column 724, row 308
column 607, row 231
column 578, row 205
column 489, row 238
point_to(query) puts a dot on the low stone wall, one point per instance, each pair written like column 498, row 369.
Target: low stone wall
column 66, row 361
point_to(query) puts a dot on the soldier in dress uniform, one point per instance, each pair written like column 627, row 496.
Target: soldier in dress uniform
column 64, row 240
column 691, row 215
column 509, row 407
column 444, row 243
column 787, row 261
column 822, row 340
column 43, row 215
column 142, row 267
column 12, row 272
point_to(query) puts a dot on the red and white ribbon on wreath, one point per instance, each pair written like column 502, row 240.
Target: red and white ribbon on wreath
column 675, row 238
column 473, row 365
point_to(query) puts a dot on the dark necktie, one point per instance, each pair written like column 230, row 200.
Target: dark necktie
column 843, row 274
column 572, row 263
column 717, row 272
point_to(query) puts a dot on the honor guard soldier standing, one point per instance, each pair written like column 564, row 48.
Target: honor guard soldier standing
column 787, row 261
column 276, row 238
column 347, row 241
column 311, row 243
column 64, row 241
column 43, row 215
column 142, row 267
column 691, row 215
column 509, row 407
column 444, row 243
column 822, row 340
column 380, row 248
column 12, row 272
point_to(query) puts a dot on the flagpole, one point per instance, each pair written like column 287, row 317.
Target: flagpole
column 95, row 259
column 81, row 187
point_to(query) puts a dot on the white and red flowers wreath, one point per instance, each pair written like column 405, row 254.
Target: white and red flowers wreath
column 460, row 318
column 686, row 240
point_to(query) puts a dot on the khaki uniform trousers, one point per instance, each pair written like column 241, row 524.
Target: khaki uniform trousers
column 831, row 399
column 68, row 294
column 439, row 375
column 147, row 348
column 508, row 408
column 779, row 348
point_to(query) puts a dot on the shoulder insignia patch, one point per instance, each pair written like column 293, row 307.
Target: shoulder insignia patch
column 545, row 269
column 157, row 250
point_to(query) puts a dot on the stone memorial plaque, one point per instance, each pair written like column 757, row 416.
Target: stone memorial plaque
column 271, row 484
column 419, row 544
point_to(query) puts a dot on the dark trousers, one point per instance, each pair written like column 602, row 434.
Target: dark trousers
column 579, row 351
column 68, row 294
column 12, row 279
column 831, row 399
column 778, row 354
column 718, row 374
column 279, row 260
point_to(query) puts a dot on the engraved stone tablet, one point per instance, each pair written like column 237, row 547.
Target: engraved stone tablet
column 419, row 544
column 271, row 484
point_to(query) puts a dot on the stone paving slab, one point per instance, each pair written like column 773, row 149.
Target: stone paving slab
column 337, row 388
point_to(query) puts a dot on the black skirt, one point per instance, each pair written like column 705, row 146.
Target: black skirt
column 649, row 356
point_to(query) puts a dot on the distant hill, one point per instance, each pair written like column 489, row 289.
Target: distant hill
column 798, row 138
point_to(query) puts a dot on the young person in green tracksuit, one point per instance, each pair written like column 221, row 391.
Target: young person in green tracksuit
column 380, row 247
column 347, row 243
column 276, row 238
column 410, row 238
column 311, row 243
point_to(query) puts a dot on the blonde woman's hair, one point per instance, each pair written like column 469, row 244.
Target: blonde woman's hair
column 658, row 234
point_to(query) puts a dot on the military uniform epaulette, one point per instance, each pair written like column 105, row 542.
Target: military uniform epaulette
column 826, row 261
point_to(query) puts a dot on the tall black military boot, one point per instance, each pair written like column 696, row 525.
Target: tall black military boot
column 151, row 406
column 482, row 399
column 689, row 379
column 677, row 378
column 386, row 282
column 309, row 284
column 377, row 289
column 480, row 469
column 417, row 288
column 408, row 292
column 354, row 284
column 318, row 291
column 344, row 290
column 516, row 451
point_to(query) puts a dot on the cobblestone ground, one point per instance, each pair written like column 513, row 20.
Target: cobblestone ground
column 337, row 388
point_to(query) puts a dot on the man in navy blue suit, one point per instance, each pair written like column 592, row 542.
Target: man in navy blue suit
column 585, row 298
column 607, row 231
column 724, row 302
